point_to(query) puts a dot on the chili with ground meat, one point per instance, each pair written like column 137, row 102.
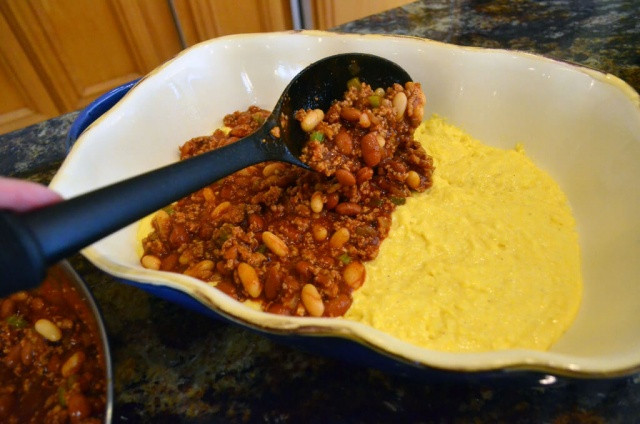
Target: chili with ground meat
column 291, row 239
column 52, row 364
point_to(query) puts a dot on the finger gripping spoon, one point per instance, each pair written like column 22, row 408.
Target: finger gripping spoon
column 32, row 241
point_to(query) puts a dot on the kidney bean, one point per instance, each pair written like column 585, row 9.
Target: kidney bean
column 364, row 174
column 178, row 235
column 344, row 143
column 337, row 306
column 7, row 403
column 256, row 222
column 54, row 364
column 272, row 283
column 169, row 262
column 230, row 253
column 332, row 200
column 398, row 166
column 227, row 288
column 348, row 208
column 304, row 269
column 27, row 353
column 79, row 407
column 7, row 308
column 13, row 356
column 350, row 114
column 345, row 177
column 370, row 150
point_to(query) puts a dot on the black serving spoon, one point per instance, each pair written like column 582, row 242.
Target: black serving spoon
column 32, row 241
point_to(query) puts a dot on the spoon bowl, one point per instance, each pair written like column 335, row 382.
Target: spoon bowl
column 320, row 84
column 35, row 240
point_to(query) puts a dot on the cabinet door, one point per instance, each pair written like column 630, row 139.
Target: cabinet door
column 201, row 20
column 24, row 99
column 82, row 48
column 329, row 13
column 57, row 56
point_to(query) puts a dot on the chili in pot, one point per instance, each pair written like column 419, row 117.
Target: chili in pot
column 53, row 367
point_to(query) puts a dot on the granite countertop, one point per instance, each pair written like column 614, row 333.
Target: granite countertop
column 174, row 365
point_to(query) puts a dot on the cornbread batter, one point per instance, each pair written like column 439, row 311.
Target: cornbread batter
column 486, row 259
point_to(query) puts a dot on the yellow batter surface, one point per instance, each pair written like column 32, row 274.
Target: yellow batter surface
column 487, row 259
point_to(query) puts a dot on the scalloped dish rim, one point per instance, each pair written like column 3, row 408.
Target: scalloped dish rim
column 220, row 303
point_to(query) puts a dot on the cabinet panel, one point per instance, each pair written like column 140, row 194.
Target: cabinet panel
column 25, row 99
column 82, row 48
column 58, row 55
column 329, row 13
column 205, row 19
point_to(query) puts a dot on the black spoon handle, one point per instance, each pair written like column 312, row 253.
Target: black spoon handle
column 32, row 241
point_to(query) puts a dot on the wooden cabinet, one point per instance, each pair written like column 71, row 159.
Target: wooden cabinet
column 57, row 56
column 82, row 48
column 329, row 13
column 24, row 97
column 200, row 20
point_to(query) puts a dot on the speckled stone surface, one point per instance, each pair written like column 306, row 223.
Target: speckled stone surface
column 602, row 34
column 175, row 366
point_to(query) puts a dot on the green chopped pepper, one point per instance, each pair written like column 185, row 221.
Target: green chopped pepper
column 345, row 258
column 317, row 136
column 398, row 200
column 223, row 235
column 374, row 101
column 354, row 82
column 257, row 117
column 17, row 321
column 61, row 396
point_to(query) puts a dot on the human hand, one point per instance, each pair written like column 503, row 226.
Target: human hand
column 21, row 195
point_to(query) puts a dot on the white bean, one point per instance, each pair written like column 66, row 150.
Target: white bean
column 48, row 330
